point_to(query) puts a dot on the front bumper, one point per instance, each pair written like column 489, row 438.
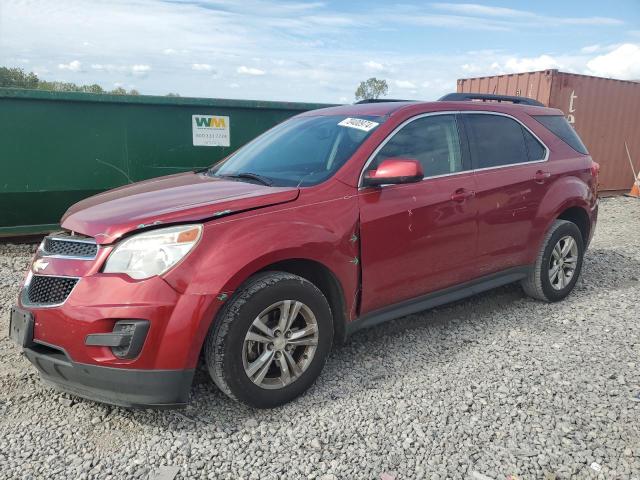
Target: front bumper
column 130, row 388
column 177, row 322
column 159, row 376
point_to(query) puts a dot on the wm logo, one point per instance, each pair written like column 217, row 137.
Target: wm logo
column 215, row 122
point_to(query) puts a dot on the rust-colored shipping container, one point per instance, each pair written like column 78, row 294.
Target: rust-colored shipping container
column 605, row 113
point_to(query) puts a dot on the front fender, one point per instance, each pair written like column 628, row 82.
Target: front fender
column 232, row 249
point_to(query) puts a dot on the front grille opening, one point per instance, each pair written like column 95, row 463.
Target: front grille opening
column 67, row 246
column 45, row 289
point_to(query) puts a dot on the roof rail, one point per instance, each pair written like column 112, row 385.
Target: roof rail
column 461, row 97
column 381, row 100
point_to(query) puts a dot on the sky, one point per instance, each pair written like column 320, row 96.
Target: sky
column 316, row 51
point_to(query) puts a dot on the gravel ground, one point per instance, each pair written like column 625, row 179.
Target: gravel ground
column 497, row 385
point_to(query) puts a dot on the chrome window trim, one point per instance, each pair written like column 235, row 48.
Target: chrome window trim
column 393, row 134
column 24, row 297
column 471, row 170
column 500, row 114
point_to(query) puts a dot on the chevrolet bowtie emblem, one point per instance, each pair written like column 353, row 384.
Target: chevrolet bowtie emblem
column 39, row 265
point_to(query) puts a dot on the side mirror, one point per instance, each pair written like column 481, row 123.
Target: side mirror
column 394, row 171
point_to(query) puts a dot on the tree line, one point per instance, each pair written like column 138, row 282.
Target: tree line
column 371, row 88
column 18, row 78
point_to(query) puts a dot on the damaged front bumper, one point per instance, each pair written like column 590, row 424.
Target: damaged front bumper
column 116, row 386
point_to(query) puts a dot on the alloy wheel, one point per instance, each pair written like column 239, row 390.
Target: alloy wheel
column 280, row 344
column 563, row 262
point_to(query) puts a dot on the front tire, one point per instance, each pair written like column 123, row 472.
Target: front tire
column 270, row 341
column 558, row 264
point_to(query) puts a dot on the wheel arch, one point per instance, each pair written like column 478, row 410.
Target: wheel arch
column 569, row 199
column 579, row 216
column 312, row 270
column 323, row 278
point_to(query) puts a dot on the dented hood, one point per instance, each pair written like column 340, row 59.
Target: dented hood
column 184, row 197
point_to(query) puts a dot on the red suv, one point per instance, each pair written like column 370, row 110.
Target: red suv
column 335, row 220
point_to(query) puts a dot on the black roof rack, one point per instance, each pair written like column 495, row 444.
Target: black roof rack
column 462, row 97
column 381, row 100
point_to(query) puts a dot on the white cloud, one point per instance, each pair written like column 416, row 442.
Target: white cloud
column 140, row 70
column 331, row 20
column 169, row 51
column 242, row 70
column 524, row 64
column 73, row 66
column 591, row 48
column 201, row 67
column 519, row 16
column 404, row 84
column 471, row 68
column 234, row 85
column 374, row 66
column 480, row 10
column 622, row 62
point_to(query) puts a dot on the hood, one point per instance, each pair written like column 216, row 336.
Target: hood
column 184, row 197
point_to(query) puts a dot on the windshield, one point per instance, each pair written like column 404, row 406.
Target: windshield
column 302, row 151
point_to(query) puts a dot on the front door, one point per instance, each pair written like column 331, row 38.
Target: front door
column 420, row 237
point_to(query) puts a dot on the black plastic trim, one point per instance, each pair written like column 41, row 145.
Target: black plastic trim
column 462, row 97
column 136, row 338
column 117, row 386
column 438, row 298
column 381, row 100
column 107, row 339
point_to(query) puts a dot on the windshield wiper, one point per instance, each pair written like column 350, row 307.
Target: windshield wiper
column 251, row 176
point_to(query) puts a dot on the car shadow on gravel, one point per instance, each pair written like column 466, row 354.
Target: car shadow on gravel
column 371, row 358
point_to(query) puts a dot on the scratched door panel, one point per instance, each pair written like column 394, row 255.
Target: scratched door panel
column 508, row 200
column 415, row 239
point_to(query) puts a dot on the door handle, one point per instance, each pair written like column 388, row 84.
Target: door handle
column 461, row 194
column 541, row 176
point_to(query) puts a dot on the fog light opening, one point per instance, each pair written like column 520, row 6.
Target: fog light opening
column 125, row 340
column 133, row 334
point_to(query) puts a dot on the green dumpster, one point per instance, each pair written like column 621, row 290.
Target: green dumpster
column 57, row 148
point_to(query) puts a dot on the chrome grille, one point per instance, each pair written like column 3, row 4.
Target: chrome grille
column 49, row 290
column 67, row 246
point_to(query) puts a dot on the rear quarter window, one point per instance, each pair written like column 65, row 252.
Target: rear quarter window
column 534, row 147
column 559, row 126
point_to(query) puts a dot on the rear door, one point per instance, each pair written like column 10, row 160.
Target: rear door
column 419, row 237
column 511, row 176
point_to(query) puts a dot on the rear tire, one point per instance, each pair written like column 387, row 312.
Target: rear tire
column 558, row 264
column 248, row 356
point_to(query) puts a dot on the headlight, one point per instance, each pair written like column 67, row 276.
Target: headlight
column 154, row 252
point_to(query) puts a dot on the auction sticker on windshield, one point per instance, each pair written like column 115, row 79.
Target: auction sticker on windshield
column 359, row 123
column 210, row 131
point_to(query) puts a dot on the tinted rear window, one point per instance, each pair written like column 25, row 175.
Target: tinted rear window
column 495, row 140
column 561, row 128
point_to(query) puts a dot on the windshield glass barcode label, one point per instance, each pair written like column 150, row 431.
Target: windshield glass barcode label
column 359, row 123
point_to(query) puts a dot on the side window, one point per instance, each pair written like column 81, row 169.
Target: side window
column 534, row 148
column 432, row 140
column 495, row 140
